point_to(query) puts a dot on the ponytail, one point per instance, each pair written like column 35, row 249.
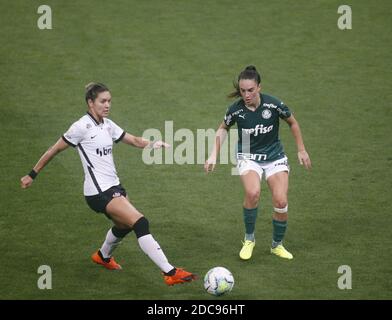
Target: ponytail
column 249, row 73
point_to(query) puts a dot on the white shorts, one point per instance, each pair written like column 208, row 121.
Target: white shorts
column 267, row 168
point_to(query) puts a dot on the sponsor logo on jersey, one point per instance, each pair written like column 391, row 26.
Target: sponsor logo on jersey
column 251, row 156
column 266, row 114
column 237, row 112
column 88, row 126
column 104, row 151
column 283, row 112
column 270, row 105
column 281, row 163
column 116, row 195
column 242, row 116
column 259, row 129
column 228, row 119
column 273, row 106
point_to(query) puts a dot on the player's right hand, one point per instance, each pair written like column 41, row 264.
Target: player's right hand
column 160, row 144
column 26, row 182
column 209, row 165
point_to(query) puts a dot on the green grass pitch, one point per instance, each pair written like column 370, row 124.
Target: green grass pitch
column 176, row 60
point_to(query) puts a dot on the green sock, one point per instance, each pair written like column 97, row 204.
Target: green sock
column 250, row 216
column 279, row 229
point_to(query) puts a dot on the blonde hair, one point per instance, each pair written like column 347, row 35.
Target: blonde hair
column 93, row 89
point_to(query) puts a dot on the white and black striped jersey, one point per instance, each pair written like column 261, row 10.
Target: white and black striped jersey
column 94, row 142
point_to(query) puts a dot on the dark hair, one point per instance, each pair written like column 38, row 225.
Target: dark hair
column 249, row 73
column 93, row 89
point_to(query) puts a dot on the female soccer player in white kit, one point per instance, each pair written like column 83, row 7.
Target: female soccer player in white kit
column 93, row 135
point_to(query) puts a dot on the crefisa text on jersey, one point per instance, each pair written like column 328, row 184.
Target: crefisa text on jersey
column 259, row 129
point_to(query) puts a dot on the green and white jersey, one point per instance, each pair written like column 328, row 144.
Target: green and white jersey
column 258, row 131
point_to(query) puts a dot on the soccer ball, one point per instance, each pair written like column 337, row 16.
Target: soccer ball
column 218, row 281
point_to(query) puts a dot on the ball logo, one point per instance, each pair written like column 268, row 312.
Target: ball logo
column 266, row 114
column 218, row 281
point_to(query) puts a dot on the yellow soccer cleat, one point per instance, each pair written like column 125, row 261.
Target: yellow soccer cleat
column 247, row 249
column 280, row 251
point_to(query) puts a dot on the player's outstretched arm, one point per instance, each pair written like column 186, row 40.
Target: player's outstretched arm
column 140, row 142
column 220, row 137
column 59, row 146
column 303, row 156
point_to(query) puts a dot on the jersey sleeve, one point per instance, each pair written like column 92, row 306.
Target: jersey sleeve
column 117, row 133
column 229, row 118
column 74, row 135
column 283, row 110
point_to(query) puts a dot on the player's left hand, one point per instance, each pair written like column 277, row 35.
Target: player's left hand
column 304, row 159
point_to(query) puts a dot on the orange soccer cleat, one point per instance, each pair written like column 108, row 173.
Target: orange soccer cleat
column 110, row 264
column 180, row 276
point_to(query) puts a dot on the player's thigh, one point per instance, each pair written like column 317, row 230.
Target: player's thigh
column 251, row 182
column 122, row 212
column 278, row 183
column 245, row 166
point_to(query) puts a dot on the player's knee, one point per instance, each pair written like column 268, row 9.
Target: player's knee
column 141, row 227
column 120, row 233
column 279, row 201
column 253, row 196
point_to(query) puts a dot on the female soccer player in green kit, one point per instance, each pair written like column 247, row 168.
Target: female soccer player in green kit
column 260, row 153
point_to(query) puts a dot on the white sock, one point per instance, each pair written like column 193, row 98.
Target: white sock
column 111, row 243
column 151, row 248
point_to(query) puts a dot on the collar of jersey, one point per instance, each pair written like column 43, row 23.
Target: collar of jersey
column 93, row 119
column 258, row 107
